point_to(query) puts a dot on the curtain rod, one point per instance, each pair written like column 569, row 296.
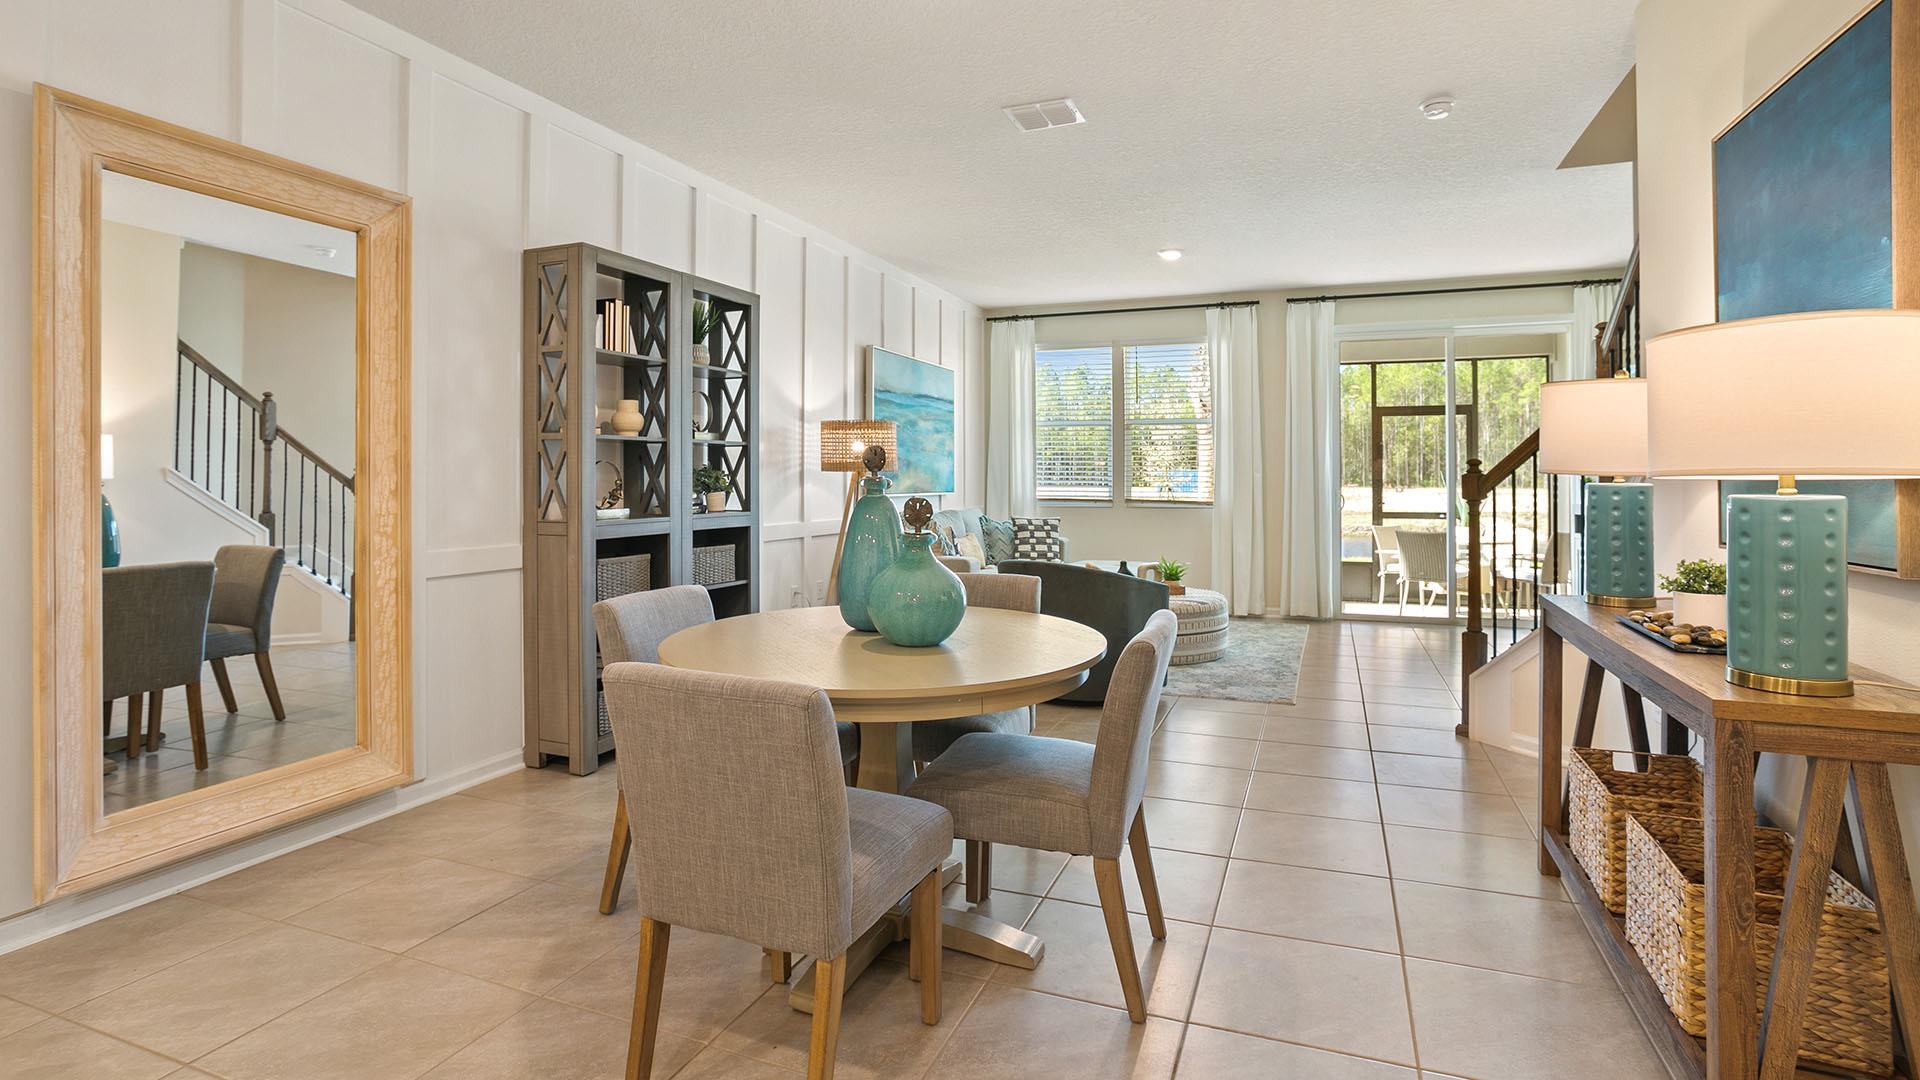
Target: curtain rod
column 1446, row 292
column 1126, row 311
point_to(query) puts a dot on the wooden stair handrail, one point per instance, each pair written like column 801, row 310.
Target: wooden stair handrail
column 270, row 432
column 1474, row 484
column 1625, row 315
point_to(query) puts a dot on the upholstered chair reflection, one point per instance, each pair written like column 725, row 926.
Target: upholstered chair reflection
column 1061, row 795
column 241, row 621
column 744, row 827
column 153, row 621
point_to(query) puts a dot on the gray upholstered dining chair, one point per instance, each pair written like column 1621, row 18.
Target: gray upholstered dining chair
column 1061, row 795
column 630, row 629
column 153, row 620
column 1012, row 592
column 745, row 828
column 246, row 581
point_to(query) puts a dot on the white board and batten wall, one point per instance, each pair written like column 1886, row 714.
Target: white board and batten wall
column 493, row 169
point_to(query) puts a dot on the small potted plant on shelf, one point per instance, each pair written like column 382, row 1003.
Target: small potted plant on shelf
column 1699, row 588
column 1171, row 572
column 711, row 483
column 706, row 319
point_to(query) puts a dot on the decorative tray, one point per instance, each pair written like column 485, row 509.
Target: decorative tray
column 1650, row 632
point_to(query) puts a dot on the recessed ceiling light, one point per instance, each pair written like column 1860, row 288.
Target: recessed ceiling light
column 1170, row 254
column 1437, row 108
column 323, row 251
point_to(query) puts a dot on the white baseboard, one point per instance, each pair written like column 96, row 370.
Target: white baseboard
column 59, row 916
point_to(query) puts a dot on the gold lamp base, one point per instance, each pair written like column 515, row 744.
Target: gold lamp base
column 1603, row 600
column 1776, row 684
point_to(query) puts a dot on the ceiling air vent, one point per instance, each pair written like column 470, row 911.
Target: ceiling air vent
column 1041, row 115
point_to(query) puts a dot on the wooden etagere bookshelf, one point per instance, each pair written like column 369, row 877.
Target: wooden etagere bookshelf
column 578, row 366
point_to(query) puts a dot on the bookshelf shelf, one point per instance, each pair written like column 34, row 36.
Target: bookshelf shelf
column 600, row 327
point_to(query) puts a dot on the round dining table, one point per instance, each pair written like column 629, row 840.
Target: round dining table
column 996, row 660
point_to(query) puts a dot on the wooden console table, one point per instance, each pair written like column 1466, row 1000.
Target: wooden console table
column 1843, row 738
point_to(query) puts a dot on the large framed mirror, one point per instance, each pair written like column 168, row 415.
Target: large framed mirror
column 221, row 562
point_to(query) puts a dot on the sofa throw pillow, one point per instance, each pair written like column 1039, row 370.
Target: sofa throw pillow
column 969, row 546
column 1036, row 538
column 944, row 540
column 997, row 536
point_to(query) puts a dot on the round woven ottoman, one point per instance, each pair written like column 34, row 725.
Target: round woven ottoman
column 1203, row 626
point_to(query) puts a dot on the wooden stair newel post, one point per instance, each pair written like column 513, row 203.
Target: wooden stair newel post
column 269, row 431
column 1473, row 643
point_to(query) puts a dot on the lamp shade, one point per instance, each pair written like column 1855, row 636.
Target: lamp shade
column 843, row 441
column 1828, row 393
column 1594, row 427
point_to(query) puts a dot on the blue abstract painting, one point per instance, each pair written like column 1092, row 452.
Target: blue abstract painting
column 919, row 398
column 1803, row 221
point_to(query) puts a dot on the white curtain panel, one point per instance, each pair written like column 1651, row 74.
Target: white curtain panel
column 1310, row 502
column 1239, row 512
column 1592, row 304
column 1010, row 419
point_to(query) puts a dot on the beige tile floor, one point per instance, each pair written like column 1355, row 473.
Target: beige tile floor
column 316, row 686
column 1352, row 896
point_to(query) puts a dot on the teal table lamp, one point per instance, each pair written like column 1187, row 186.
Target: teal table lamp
column 1598, row 427
column 1828, row 394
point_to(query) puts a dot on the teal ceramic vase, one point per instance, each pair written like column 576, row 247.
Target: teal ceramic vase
column 917, row 602
column 873, row 543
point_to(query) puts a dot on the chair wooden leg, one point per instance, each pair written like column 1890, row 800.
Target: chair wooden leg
column 266, row 680
column 134, row 738
column 829, row 987
column 1113, row 905
column 979, row 871
column 226, row 686
column 646, row 998
column 196, row 725
column 617, row 851
column 925, row 944
column 155, row 700
column 779, row 965
column 1143, row 869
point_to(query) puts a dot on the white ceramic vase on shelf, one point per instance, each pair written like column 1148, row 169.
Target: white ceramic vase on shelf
column 716, row 501
column 700, row 355
column 627, row 419
column 1700, row 609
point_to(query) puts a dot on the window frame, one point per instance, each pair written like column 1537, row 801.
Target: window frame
column 1120, row 430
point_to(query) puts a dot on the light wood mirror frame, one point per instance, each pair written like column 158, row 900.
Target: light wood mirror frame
column 76, row 847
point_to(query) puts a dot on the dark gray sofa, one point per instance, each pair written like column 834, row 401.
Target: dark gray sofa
column 1114, row 604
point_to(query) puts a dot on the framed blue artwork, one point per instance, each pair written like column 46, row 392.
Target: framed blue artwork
column 919, row 397
column 1804, row 194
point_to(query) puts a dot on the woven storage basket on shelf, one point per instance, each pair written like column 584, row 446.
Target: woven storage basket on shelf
column 713, row 565
column 1849, row 1014
column 619, row 575
column 1599, row 798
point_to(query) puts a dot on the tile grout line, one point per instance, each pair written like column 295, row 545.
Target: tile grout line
column 1393, row 895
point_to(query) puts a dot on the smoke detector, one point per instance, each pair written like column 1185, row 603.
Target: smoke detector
column 1041, row 115
column 1438, row 108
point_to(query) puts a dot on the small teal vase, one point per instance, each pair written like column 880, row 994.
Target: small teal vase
column 873, row 543
column 917, row 602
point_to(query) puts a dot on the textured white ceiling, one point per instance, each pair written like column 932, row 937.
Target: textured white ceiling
column 1277, row 141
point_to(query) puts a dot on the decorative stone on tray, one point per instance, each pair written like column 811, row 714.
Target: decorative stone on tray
column 1700, row 636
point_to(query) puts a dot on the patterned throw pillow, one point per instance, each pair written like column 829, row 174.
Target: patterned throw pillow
column 944, row 541
column 1036, row 538
column 998, row 538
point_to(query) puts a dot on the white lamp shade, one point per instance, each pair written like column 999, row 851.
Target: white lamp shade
column 106, row 457
column 1594, row 427
column 1829, row 393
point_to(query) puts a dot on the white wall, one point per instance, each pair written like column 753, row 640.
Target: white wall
column 1700, row 63
column 493, row 170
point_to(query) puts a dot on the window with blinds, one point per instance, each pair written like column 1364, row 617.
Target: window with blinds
column 1073, row 423
column 1149, row 406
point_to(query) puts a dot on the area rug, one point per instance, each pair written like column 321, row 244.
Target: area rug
column 1262, row 664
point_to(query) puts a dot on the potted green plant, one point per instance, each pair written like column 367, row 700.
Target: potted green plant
column 1171, row 572
column 706, row 318
column 1699, row 588
column 712, row 483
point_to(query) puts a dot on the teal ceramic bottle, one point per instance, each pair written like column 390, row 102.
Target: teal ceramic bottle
column 917, row 602
column 873, row 543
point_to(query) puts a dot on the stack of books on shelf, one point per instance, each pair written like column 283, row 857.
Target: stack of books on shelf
column 616, row 326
